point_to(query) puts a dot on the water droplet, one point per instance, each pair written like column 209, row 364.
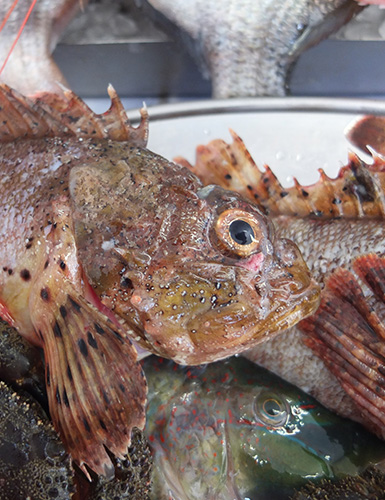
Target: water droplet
column 280, row 155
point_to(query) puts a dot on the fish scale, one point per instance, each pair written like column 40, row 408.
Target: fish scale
column 249, row 47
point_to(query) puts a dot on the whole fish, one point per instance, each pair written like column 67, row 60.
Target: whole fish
column 247, row 47
column 231, row 430
column 338, row 354
column 105, row 243
column 29, row 32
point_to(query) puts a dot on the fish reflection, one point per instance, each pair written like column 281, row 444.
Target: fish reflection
column 232, row 430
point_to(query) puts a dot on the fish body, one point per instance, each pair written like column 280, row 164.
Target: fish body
column 26, row 52
column 248, row 47
column 105, row 243
column 336, row 355
column 234, row 430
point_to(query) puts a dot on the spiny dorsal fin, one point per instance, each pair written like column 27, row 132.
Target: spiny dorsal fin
column 357, row 191
column 51, row 115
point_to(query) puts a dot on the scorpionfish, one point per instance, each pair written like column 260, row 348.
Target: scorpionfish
column 337, row 354
column 107, row 246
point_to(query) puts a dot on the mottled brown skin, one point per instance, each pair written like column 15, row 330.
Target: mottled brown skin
column 337, row 354
column 102, row 241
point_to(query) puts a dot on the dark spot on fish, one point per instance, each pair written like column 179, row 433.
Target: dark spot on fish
column 62, row 265
column 46, row 264
column 102, row 424
column 317, row 213
column 99, row 329
column 86, row 425
column 48, row 376
column 83, row 347
column 106, row 398
column 228, row 176
column 10, row 271
column 63, row 311
column 381, row 369
column 28, row 246
column 74, row 304
column 336, row 201
column 91, row 340
column 45, row 294
column 5, row 269
column 117, row 335
column 256, row 196
column 57, row 330
column 283, row 194
column 122, row 388
column 126, row 283
column 250, row 188
column 218, row 285
column 304, row 193
column 69, row 373
column 58, row 399
column 65, row 399
column 265, row 180
column 25, row 274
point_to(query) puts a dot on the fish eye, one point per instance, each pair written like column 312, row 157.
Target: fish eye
column 271, row 410
column 239, row 231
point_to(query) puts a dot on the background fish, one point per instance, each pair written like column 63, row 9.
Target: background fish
column 247, row 47
column 232, row 430
column 337, row 355
column 29, row 32
column 33, row 461
column 127, row 247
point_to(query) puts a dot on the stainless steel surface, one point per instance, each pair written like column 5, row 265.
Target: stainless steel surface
column 294, row 136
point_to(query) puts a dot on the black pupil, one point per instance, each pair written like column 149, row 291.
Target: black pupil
column 272, row 408
column 241, row 232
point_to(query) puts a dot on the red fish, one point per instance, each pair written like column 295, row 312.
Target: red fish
column 337, row 354
column 105, row 243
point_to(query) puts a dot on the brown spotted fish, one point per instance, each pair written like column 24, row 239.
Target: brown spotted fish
column 337, row 354
column 105, row 243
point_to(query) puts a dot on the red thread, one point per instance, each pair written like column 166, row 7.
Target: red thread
column 20, row 30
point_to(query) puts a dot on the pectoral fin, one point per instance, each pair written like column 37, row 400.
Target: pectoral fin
column 348, row 334
column 96, row 387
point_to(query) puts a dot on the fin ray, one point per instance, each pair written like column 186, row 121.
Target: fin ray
column 51, row 115
column 357, row 191
column 95, row 384
column 347, row 333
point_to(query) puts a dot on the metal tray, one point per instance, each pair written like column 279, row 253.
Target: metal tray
column 294, row 136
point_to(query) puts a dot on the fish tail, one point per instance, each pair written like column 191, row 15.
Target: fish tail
column 96, row 387
column 348, row 331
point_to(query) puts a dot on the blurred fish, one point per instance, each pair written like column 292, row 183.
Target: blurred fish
column 33, row 462
column 248, row 47
column 29, row 32
column 231, row 430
